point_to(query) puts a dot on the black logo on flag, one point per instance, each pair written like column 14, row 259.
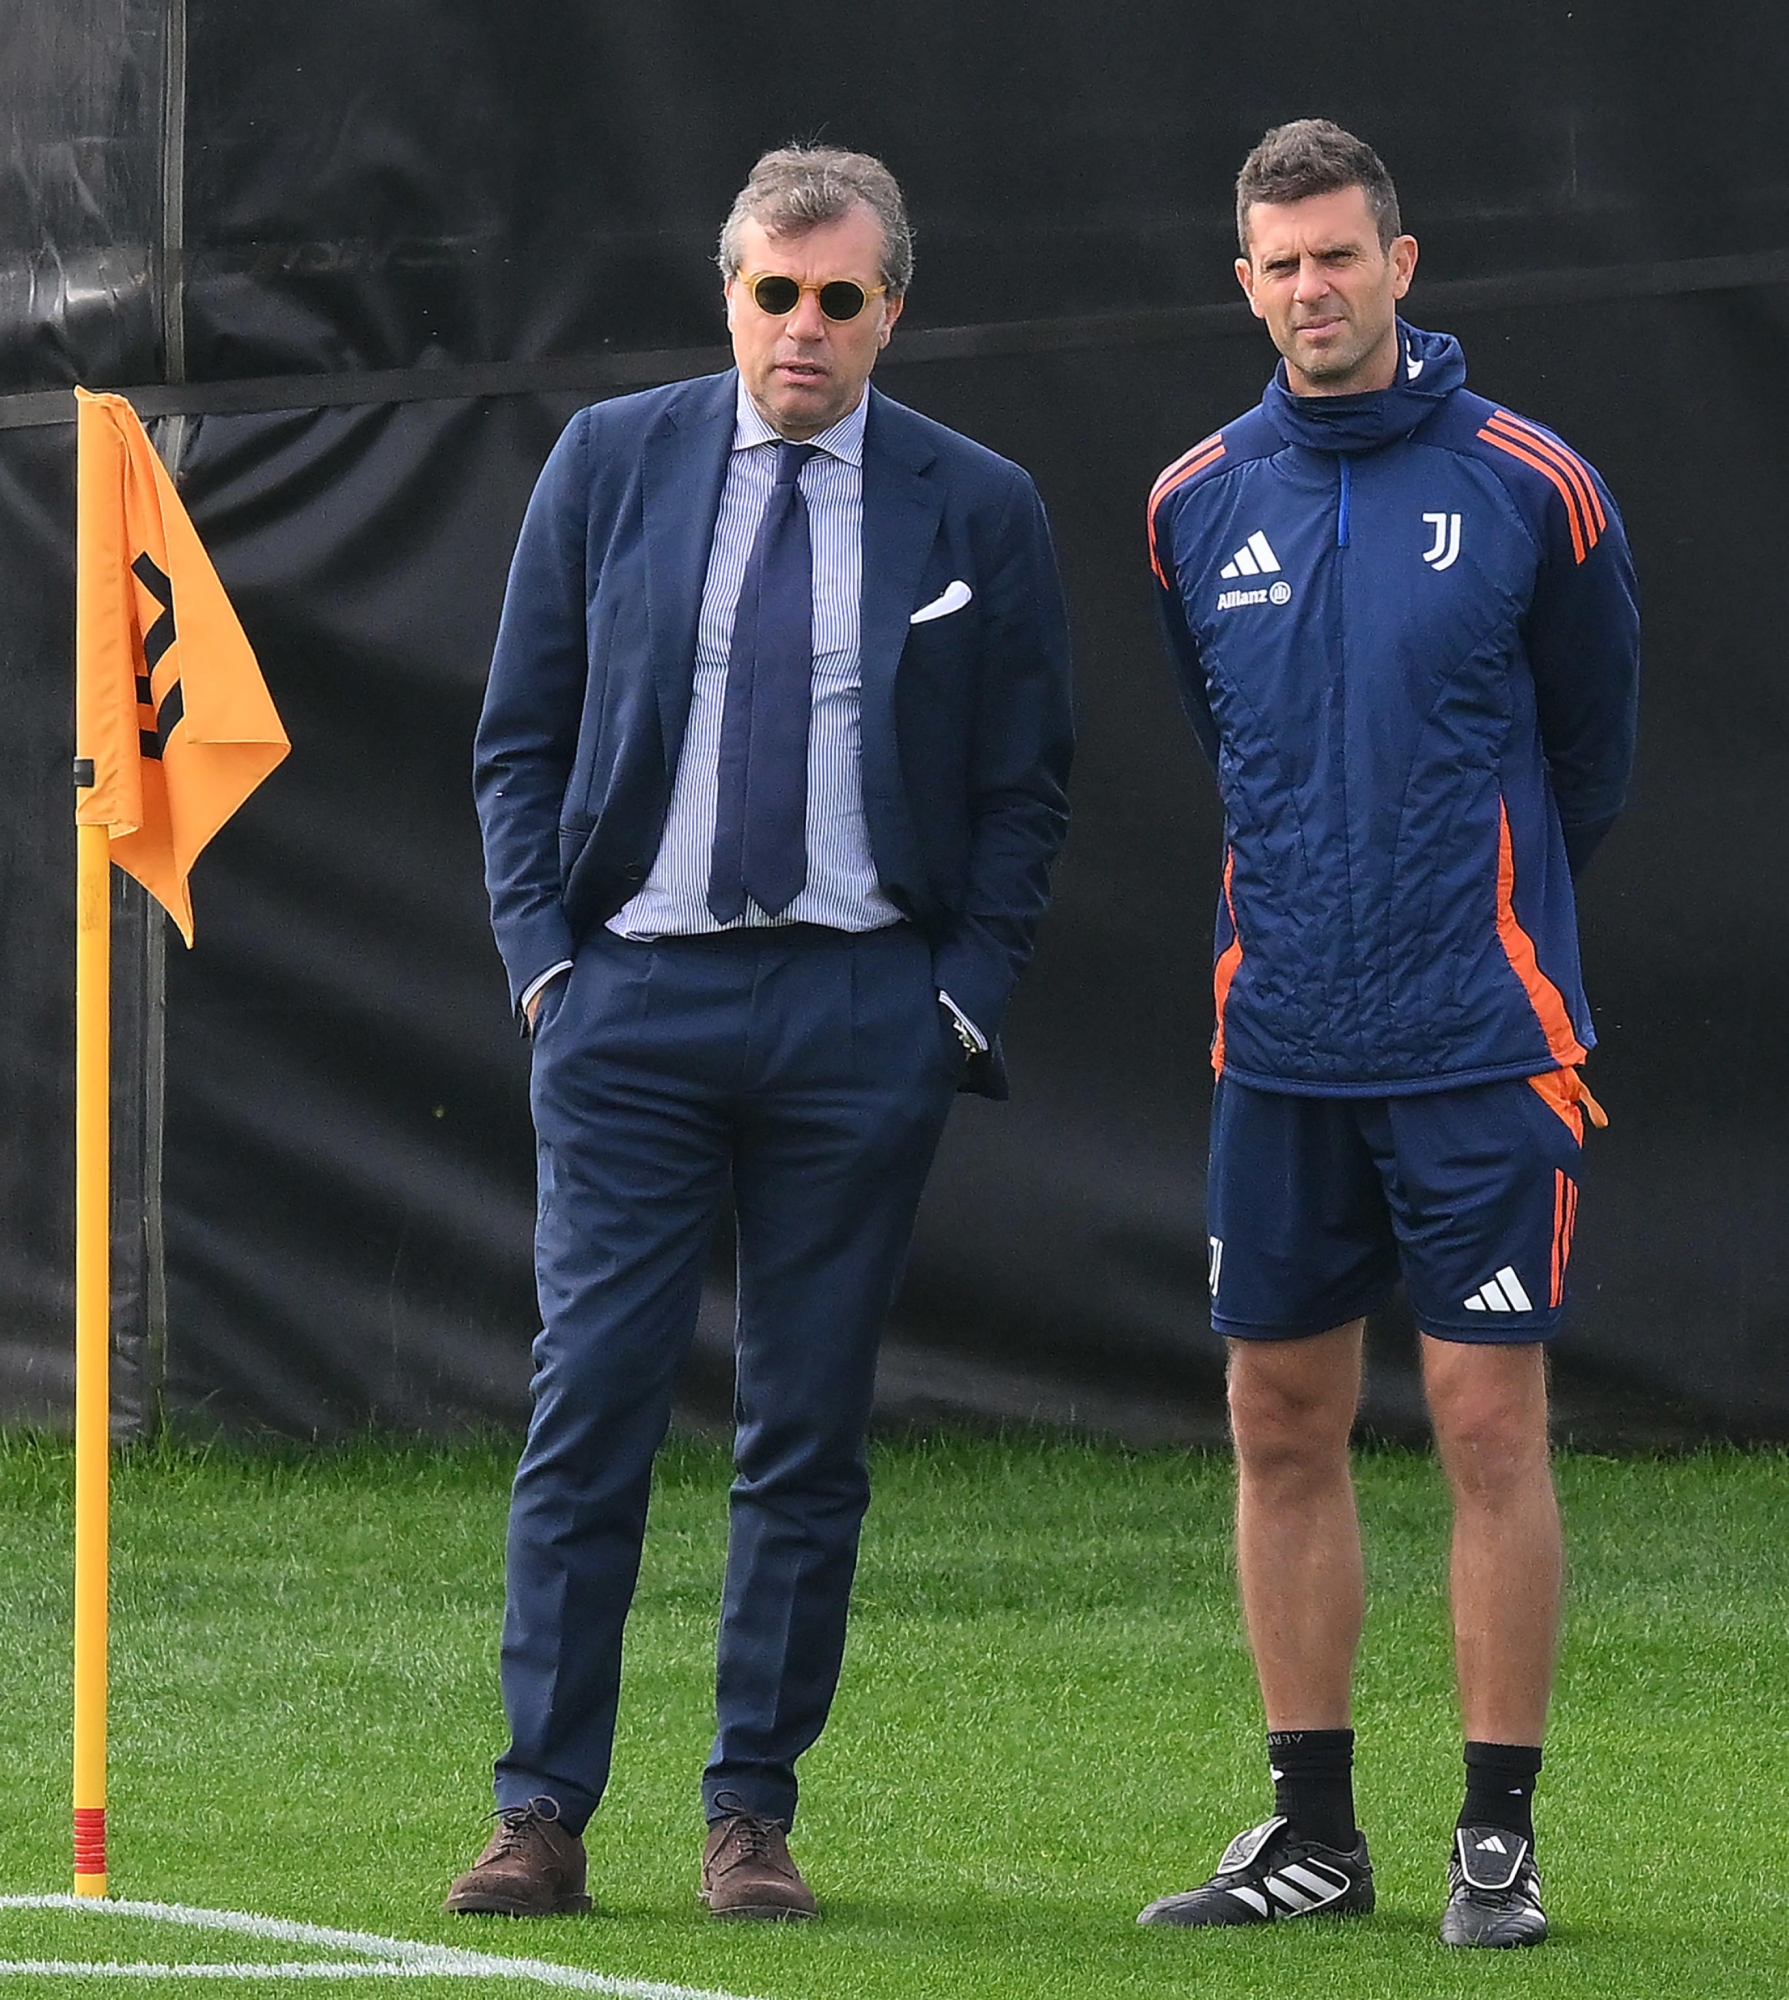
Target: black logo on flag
column 156, row 641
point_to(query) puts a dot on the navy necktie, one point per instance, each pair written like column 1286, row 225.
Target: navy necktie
column 760, row 823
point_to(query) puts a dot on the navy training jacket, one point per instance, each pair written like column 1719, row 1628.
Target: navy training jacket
column 1405, row 631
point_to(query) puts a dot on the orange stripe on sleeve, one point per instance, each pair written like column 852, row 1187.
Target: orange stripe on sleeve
column 1568, row 462
column 1184, row 463
column 1518, row 947
column 1566, row 459
column 1225, row 970
column 1541, row 465
column 1171, row 481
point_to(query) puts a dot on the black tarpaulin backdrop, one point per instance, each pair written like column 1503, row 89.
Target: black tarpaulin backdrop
column 347, row 1178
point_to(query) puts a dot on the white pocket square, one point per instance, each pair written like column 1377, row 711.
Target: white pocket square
column 956, row 595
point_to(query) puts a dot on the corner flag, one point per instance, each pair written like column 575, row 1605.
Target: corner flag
column 173, row 730
column 170, row 707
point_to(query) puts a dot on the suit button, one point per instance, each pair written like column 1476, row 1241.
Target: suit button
column 633, row 872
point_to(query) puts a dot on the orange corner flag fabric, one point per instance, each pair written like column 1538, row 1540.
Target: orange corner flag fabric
column 169, row 703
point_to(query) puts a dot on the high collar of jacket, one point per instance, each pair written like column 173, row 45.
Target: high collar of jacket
column 1430, row 368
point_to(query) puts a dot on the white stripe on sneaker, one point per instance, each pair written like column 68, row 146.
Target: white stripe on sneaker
column 1293, row 1900
column 1306, row 1878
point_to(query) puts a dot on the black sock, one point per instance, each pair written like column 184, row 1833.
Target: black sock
column 1313, row 1782
column 1500, row 1779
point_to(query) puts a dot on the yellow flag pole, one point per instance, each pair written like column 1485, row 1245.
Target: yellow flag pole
column 133, row 544
column 93, row 1340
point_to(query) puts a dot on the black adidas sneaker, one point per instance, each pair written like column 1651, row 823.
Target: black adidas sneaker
column 1266, row 1874
column 1493, row 1892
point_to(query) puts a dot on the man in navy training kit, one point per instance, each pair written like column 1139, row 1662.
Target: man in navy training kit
column 1403, row 623
column 770, row 775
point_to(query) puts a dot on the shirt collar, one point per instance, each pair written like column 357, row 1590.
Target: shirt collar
column 841, row 440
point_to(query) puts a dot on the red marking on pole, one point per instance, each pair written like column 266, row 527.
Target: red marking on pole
column 90, row 1840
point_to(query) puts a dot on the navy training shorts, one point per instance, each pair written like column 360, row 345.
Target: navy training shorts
column 1315, row 1205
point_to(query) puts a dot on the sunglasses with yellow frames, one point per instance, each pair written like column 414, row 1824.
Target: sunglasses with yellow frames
column 841, row 299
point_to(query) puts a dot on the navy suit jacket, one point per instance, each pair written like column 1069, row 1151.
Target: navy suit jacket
column 966, row 730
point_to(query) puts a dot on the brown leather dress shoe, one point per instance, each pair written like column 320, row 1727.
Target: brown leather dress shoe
column 531, row 1868
column 747, row 1872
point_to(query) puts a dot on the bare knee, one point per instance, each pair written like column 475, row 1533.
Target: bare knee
column 1292, row 1406
column 1489, row 1406
column 1492, row 1454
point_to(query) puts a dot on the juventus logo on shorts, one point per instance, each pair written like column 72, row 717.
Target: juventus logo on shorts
column 1217, row 1263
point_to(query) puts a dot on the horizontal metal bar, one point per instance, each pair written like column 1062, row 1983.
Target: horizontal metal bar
column 590, row 373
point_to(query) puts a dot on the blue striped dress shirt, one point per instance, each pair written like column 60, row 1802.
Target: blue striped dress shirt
column 841, row 890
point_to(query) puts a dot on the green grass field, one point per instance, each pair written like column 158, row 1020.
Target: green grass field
column 1047, row 1718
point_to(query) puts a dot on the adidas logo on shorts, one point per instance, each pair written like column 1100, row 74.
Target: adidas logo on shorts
column 1501, row 1294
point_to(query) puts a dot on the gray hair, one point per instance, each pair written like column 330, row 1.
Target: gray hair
column 1312, row 156
column 795, row 188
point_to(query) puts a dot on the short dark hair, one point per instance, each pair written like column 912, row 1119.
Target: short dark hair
column 1312, row 156
column 795, row 188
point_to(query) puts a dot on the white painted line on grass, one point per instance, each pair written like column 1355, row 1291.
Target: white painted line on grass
column 309, row 1968
column 379, row 1957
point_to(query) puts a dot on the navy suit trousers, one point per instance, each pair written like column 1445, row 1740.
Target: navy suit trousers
column 812, row 1071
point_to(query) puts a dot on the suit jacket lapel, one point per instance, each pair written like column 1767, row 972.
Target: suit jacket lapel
column 684, row 468
column 901, row 511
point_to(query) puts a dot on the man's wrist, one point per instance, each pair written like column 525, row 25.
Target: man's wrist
column 529, row 1004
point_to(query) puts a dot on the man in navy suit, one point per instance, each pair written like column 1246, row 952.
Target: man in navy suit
column 770, row 774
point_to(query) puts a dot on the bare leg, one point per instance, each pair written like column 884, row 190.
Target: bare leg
column 1489, row 1404
column 1298, row 1558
